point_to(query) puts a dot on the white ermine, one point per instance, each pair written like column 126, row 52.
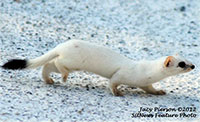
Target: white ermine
column 76, row 55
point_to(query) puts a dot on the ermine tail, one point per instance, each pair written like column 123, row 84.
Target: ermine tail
column 15, row 64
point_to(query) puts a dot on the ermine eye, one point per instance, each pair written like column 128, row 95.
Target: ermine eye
column 181, row 64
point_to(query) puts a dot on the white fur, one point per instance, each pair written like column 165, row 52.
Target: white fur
column 77, row 55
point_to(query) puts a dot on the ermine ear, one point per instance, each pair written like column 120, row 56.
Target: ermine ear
column 169, row 61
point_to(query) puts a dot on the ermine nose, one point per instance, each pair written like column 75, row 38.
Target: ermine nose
column 192, row 67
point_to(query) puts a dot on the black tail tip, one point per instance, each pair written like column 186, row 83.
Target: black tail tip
column 15, row 64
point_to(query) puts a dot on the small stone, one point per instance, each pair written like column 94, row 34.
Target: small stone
column 107, row 36
column 16, row 1
column 60, row 16
column 122, row 42
column 192, row 22
column 80, row 111
column 182, row 9
column 145, row 49
column 40, row 39
column 29, row 92
column 85, row 79
column 87, row 87
column 28, row 22
column 195, row 45
column 92, row 35
column 17, row 113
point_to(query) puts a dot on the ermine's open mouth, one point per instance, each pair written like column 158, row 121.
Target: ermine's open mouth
column 189, row 67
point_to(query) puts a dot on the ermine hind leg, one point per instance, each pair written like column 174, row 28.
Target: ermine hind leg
column 149, row 89
column 63, row 70
column 47, row 69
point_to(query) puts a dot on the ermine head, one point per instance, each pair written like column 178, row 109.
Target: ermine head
column 176, row 64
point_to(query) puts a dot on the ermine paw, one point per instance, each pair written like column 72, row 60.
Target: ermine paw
column 50, row 81
column 160, row 92
column 64, row 79
column 118, row 93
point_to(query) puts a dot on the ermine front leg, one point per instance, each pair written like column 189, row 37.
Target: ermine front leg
column 113, row 84
column 149, row 89
column 47, row 69
column 114, row 90
column 62, row 69
column 65, row 77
